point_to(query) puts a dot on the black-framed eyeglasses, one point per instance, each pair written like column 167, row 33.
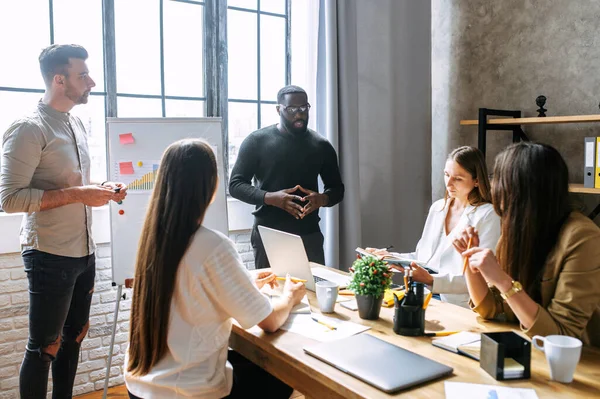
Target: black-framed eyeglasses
column 294, row 110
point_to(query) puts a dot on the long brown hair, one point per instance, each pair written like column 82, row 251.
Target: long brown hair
column 185, row 185
column 471, row 159
column 530, row 192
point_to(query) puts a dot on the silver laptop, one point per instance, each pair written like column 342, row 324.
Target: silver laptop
column 379, row 363
column 286, row 254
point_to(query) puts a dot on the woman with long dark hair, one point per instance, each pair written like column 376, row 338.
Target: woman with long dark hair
column 189, row 284
column 546, row 271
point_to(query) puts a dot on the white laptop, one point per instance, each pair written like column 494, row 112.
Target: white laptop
column 286, row 254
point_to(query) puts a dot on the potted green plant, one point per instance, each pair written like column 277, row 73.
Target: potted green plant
column 370, row 278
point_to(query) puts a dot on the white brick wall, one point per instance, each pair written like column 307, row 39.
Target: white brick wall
column 14, row 306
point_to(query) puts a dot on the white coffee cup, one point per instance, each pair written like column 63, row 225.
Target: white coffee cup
column 562, row 353
column 327, row 293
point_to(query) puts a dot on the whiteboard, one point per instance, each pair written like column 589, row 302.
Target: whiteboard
column 134, row 149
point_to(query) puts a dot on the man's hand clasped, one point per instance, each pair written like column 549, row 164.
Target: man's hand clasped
column 284, row 199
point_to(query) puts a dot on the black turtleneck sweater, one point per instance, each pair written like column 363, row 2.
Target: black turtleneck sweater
column 278, row 161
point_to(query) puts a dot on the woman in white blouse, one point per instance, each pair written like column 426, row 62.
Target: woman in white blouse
column 467, row 202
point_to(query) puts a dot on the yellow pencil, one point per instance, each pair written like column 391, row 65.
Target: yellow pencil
column 466, row 258
column 441, row 333
column 325, row 324
column 427, row 299
column 294, row 279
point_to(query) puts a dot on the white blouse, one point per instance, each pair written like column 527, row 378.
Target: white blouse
column 436, row 251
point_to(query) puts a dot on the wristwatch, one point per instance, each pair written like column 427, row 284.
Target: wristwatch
column 516, row 287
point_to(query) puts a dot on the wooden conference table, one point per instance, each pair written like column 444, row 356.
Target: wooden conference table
column 281, row 354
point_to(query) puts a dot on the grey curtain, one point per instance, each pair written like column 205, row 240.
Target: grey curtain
column 337, row 119
column 374, row 105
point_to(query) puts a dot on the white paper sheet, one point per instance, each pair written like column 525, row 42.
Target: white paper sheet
column 463, row 390
column 304, row 324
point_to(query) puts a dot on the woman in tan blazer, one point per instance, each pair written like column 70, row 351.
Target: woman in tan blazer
column 546, row 271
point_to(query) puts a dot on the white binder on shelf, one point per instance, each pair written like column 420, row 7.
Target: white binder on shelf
column 589, row 165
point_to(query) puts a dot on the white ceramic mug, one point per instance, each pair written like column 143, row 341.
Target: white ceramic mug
column 562, row 354
column 327, row 293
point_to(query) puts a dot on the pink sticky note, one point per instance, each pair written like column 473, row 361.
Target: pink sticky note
column 126, row 138
column 126, row 168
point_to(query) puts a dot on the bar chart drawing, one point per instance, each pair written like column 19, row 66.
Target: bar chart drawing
column 139, row 176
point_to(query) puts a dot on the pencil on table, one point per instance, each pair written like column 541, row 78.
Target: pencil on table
column 294, row 279
column 466, row 258
column 325, row 324
column 441, row 333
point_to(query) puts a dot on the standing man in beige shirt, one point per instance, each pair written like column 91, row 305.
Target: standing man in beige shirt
column 45, row 172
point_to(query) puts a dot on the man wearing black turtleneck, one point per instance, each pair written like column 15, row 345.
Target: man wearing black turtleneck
column 285, row 161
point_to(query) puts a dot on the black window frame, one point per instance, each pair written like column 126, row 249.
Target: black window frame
column 215, row 60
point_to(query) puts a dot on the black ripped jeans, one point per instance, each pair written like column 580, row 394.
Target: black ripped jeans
column 60, row 295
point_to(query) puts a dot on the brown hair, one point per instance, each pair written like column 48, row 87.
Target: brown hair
column 530, row 192
column 472, row 160
column 55, row 59
column 185, row 185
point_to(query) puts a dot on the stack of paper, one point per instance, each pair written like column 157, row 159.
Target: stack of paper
column 306, row 325
column 513, row 369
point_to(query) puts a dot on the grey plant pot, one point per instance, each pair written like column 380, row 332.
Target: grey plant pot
column 369, row 306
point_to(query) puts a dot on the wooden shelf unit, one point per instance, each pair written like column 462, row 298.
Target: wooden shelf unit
column 512, row 121
column 547, row 120
column 578, row 188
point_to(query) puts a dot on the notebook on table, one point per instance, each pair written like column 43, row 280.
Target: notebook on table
column 465, row 343
column 377, row 362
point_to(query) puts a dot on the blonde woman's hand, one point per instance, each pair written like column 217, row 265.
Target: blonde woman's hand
column 266, row 278
column 461, row 241
column 421, row 275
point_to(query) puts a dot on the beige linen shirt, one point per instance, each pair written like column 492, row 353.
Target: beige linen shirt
column 47, row 150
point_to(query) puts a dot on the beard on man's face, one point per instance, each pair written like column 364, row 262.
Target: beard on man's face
column 77, row 98
column 299, row 125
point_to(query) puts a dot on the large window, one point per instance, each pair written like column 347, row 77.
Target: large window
column 155, row 58
column 159, row 58
column 26, row 27
column 259, row 65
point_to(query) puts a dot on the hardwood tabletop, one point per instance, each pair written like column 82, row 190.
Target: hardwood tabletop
column 281, row 354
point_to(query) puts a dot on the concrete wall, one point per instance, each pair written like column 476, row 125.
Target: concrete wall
column 503, row 54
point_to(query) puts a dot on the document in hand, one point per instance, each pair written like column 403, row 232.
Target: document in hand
column 465, row 343
column 390, row 257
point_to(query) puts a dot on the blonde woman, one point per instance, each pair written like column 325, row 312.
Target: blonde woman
column 467, row 202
